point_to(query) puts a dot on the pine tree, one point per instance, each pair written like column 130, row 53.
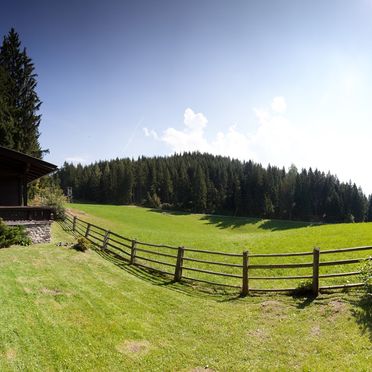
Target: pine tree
column 369, row 211
column 6, row 123
column 23, row 100
column 200, row 191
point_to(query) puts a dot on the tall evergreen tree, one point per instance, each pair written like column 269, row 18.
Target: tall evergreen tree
column 6, row 122
column 23, row 101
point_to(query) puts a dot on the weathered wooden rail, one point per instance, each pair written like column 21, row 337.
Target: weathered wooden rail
column 175, row 261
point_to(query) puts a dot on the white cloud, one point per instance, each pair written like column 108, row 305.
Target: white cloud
column 279, row 105
column 278, row 141
column 191, row 137
column 150, row 133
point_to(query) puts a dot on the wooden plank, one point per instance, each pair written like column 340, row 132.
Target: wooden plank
column 336, row 275
column 341, row 250
column 281, row 254
column 87, row 230
column 280, row 277
column 179, row 264
column 133, row 252
column 105, row 240
column 212, row 272
column 342, row 262
column 157, row 245
column 245, row 283
column 117, row 248
column 316, row 254
column 339, row 286
column 213, row 252
column 156, row 253
column 281, row 266
column 212, row 262
column 155, row 261
column 121, row 237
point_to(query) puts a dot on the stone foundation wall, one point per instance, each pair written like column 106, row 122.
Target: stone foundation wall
column 38, row 231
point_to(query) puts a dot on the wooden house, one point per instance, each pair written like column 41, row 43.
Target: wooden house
column 17, row 170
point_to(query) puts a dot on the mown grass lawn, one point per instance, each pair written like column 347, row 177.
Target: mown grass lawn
column 229, row 234
column 223, row 232
column 66, row 310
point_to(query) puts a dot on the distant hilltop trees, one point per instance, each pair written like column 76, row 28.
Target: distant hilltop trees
column 214, row 184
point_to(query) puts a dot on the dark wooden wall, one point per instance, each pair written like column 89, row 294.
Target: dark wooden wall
column 10, row 191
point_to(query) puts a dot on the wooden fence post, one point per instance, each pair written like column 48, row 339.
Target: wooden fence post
column 87, row 230
column 316, row 256
column 133, row 252
column 179, row 264
column 74, row 224
column 105, row 240
column 245, row 285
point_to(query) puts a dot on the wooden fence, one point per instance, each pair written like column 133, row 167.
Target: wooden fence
column 178, row 261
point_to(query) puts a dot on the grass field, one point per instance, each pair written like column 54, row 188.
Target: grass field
column 234, row 235
column 66, row 310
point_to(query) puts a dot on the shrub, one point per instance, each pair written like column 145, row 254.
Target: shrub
column 10, row 235
column 82, row 245
column 46, row 192
column 366, row 275
column 304, row 288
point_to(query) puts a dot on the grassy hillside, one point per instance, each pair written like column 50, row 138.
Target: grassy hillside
column 221, row 232
column 229, row 234
column 66, row 310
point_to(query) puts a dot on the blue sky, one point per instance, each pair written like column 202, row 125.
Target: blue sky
column 275, row 81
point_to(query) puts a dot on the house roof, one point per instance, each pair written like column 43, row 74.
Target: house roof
column 17, row 164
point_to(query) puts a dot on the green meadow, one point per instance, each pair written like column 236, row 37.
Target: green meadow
column 71, row 311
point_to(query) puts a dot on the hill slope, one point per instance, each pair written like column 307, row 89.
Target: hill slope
column 221, row 232
column 67, row 310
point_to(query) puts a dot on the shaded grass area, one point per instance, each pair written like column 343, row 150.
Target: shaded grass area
column 67, row 310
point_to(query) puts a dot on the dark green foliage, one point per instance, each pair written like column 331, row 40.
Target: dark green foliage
column 82, row 245
column 215, row 184
column 369, row 211
column 11, row 235
column 19, row 102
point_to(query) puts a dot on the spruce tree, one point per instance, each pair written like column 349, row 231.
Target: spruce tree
column 6, row 123
column 23, row 101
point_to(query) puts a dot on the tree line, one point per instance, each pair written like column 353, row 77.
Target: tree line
column 206, row 183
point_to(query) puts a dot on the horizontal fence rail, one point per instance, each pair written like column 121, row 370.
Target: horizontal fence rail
column 175, row 261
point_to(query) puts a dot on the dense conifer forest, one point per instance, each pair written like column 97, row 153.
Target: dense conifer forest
column 214, row 184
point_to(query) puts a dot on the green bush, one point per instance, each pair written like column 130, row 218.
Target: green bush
column 11, row 235
column 82, row 245
column 366, row 275
column 47, row 192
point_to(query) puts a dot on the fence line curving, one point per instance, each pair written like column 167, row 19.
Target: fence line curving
column 176, row 261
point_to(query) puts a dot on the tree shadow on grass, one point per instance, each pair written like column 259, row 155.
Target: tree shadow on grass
column 362, row 312
column 231, row 222
column 153, row 276
column 157, row 278
column 224, row 222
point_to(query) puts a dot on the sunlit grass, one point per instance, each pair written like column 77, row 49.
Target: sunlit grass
column 66, row 310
